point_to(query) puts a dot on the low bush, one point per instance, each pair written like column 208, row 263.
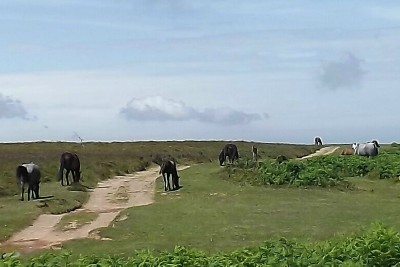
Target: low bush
column 324, row 171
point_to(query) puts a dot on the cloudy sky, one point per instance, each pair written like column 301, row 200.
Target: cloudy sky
column 270, row 71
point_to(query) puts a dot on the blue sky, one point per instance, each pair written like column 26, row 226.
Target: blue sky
column 271, row 71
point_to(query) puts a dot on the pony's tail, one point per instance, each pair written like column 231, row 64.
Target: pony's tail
column 21, row 172
column 60, row 172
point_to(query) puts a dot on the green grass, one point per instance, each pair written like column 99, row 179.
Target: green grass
column 16, row 215
column 61, row 199
column 212, row 214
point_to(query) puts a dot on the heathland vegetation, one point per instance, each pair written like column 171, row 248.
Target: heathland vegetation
column 240, row 215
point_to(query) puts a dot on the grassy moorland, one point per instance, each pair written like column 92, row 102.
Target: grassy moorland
column 213, row 213
column 99, row 161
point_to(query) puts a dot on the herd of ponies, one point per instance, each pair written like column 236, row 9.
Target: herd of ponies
column 28, row 174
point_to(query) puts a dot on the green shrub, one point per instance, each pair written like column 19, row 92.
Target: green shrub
column 324, row 171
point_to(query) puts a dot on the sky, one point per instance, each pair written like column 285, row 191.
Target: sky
column 266, row 71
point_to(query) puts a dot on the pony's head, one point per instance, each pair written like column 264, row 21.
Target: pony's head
column 221, row 158
column 376, row 143
column 354, row 146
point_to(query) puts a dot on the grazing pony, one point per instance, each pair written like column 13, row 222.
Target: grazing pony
column 347, row 151
column 369, row 149
column 318, row 141
column 70, row 162
column 281, row 158
column 254, row 150
column 230, row 151
column 167, row 169
column 29, row 174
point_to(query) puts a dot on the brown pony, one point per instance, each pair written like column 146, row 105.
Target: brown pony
column 347, row 151
column 254, row 150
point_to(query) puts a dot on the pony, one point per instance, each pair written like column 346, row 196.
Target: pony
column 70, row 162
column 29, row 173
column 347, row 151
column 370, row 149
column 167, row 169
column 281, row 158
column 254, row 150
column 230, row 151
column 318, row 141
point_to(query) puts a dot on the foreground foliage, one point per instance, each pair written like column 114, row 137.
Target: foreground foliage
column 378, row 246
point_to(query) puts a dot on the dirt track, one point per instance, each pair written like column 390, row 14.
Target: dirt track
column 323, row 151
column 139, row 189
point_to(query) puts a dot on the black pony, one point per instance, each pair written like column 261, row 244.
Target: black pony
column 70, row 162
column 281, row 158
column 29, row 174
column 318, row 141
column 230, row 151
column 167, row 169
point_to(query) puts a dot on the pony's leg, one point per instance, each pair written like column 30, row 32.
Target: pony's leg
column 66, row 176
column 22, row 191
column 169, row 185
column 29, row 192
column 37, row 191
column 76, row 176
column 62, row 177
column 165, row 181
column 73, row 176
column 175, row 182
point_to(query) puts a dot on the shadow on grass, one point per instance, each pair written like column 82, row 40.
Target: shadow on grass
column 176, row 189
column 45, row 197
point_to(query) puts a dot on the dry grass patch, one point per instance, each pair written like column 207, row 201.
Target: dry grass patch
column 76, row 220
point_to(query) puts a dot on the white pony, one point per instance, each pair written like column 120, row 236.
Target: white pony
column 369, row 149
column 29, row 174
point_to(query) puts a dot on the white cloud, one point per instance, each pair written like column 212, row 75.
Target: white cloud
column 12, row 108
column 160, row 109
column 156, row 109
